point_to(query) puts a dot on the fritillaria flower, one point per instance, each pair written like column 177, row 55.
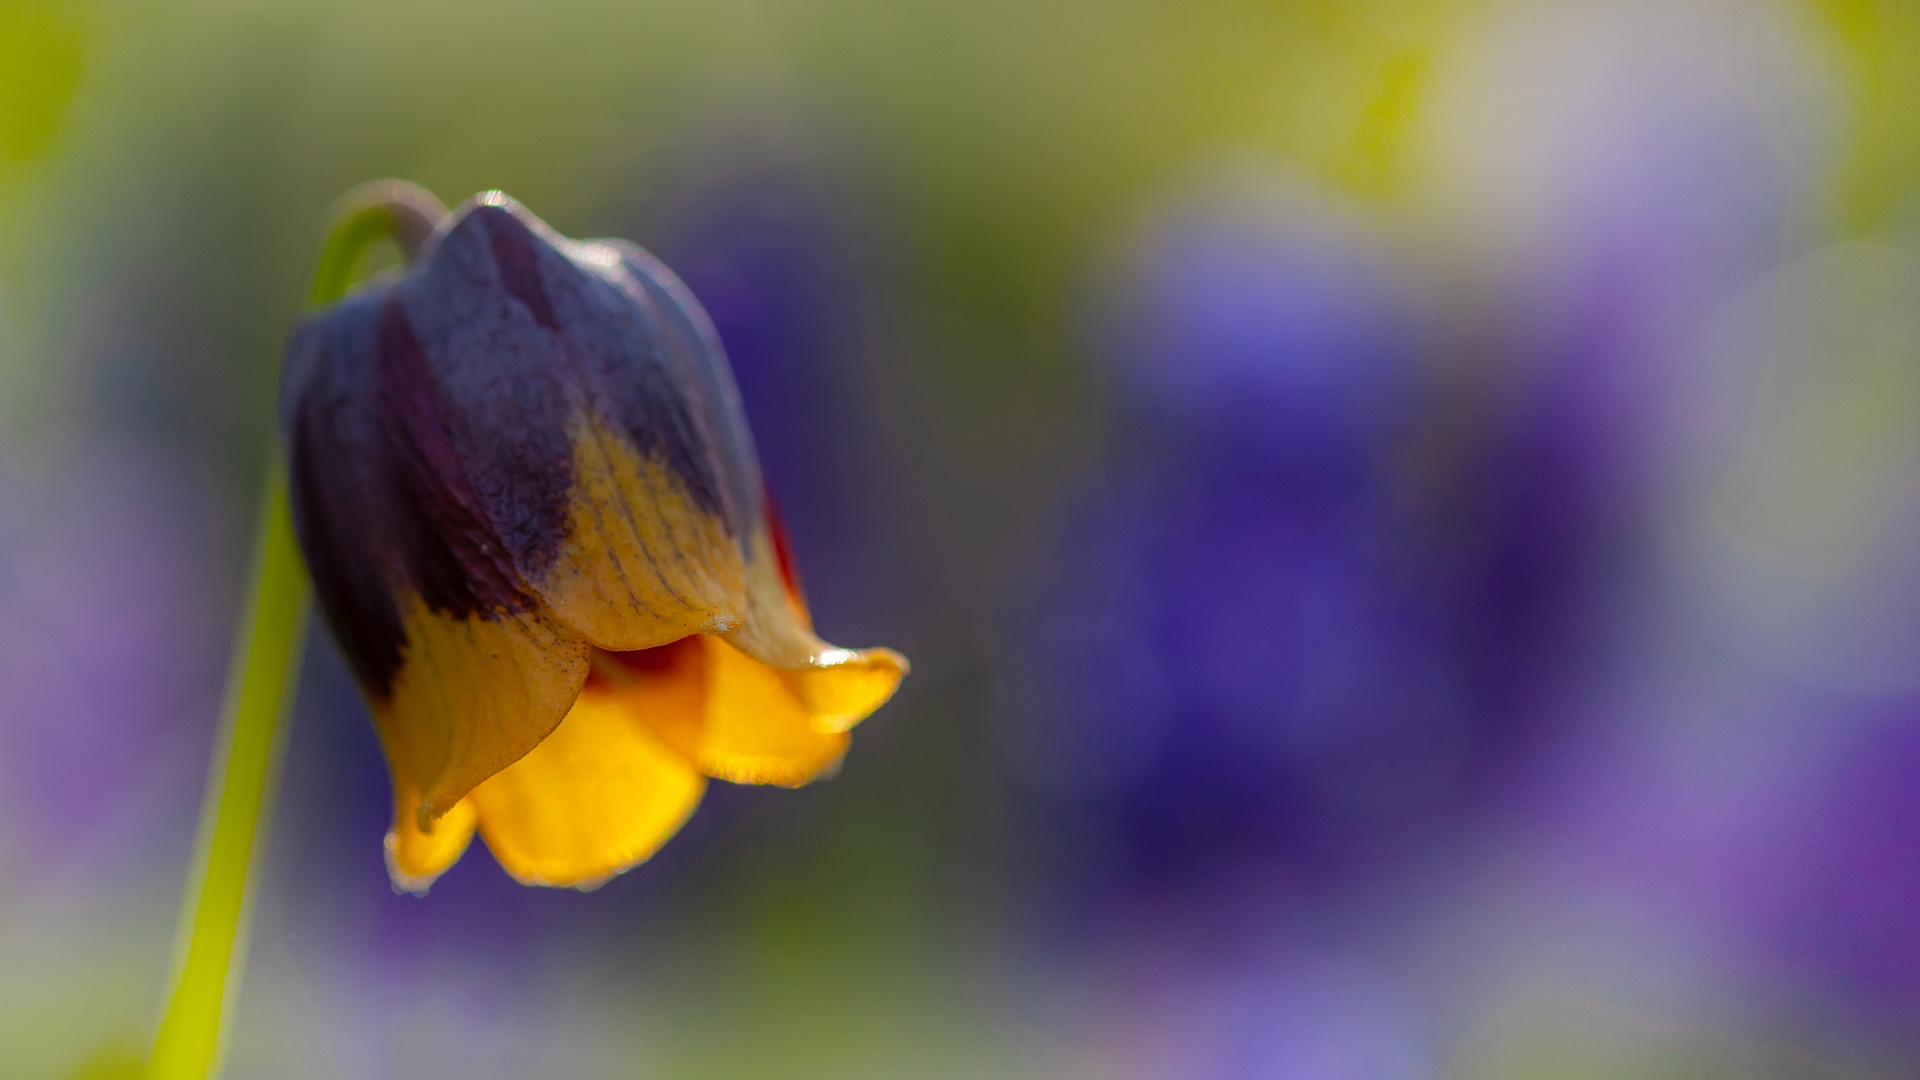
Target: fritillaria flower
column 536, row 525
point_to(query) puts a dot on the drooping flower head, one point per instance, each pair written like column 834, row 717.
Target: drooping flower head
column 537, row 529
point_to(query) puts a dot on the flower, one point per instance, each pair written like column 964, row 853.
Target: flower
column 536, row 526
column 1236, row 664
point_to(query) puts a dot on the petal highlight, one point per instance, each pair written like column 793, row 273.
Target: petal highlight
column 846, row 688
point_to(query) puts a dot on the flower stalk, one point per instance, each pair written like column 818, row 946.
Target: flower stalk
column 210, row 943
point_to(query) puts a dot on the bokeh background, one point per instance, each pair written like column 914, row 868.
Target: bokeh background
column 1406, row 517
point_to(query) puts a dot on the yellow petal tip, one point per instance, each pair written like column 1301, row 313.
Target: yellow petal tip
column 404, row 882
column 847, row 688
column 419, row 849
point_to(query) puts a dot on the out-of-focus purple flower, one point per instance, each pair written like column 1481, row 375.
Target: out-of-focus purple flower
column 1242, row 646
column 1652, row 166
column 1269, row 334
column 1769, row 802
column 1762, row 829
column 1839, row 876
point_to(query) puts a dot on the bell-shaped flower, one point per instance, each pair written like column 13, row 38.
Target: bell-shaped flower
column 537, row 529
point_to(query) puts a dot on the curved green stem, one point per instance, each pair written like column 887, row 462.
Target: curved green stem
column 210, row 944
column 377, row 210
